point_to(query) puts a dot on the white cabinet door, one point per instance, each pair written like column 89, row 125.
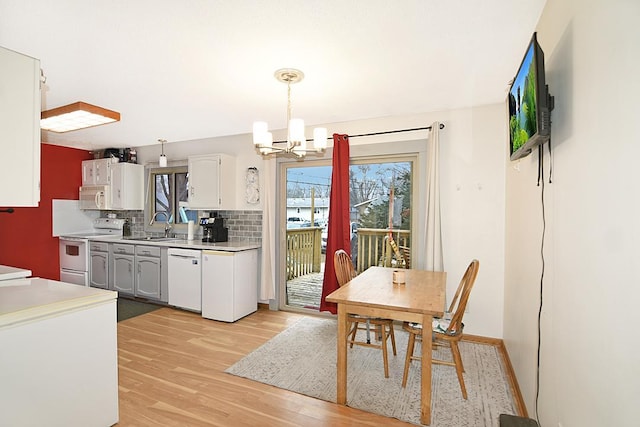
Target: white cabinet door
column 19, row 129
column 87, row 173
column 127, row 186
column 97, row 172
column 102, row 171
column 211, row 181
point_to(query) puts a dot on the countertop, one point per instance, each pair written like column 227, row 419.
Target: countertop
column 29, row 299
column 233, row 246
column 7, row 272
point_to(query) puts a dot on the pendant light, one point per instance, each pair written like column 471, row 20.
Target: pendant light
column 162, row 161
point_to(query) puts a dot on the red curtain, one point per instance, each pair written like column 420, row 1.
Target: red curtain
column 338, row 236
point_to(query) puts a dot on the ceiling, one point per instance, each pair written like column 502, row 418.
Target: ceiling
column 205, row 68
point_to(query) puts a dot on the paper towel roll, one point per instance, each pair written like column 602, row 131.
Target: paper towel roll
column 190, row 229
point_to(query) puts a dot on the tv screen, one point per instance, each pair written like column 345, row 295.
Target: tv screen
column 529, row 104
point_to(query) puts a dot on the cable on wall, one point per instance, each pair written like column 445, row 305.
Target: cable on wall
column 544, row 227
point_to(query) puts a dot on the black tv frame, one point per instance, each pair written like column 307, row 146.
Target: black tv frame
column 544, row 103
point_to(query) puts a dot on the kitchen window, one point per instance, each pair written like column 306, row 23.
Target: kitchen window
column 168, row 199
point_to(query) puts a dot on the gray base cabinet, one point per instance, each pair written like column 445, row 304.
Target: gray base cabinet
column 137, row 270
column 148, row 272
column 123, row 263
column 99, row 268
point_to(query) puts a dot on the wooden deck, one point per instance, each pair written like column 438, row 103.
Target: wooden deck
column 305, row 291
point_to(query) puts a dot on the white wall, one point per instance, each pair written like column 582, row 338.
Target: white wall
column 589, row 370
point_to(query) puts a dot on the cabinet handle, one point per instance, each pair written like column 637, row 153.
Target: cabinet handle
column 193, row 191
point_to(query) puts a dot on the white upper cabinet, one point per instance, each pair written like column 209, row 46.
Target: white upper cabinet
column 212, row 181
column 97, row 172
column 19, row 129
column 127, row 186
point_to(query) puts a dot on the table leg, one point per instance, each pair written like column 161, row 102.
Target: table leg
column 425, row 383
column 342, row 356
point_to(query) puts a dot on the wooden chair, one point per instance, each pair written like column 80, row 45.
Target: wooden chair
column 384, row 327
column 446, row 331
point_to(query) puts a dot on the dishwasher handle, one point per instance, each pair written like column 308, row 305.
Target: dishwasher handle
column 183, row 256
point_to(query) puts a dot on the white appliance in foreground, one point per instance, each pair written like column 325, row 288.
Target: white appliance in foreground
column 229, row 284
column 184, row 277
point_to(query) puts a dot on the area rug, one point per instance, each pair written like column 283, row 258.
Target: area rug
column 303, row 359
column 128, row 308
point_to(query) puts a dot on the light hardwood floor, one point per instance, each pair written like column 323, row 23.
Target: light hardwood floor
column 171, row 373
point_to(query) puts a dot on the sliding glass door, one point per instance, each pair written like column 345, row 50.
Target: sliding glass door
column 381, row 194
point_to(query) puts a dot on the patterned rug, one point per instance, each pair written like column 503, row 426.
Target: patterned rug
column 303, row 359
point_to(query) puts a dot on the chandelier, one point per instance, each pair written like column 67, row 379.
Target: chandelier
column 296, row 140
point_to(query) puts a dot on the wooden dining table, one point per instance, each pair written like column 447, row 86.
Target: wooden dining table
column 373, row 293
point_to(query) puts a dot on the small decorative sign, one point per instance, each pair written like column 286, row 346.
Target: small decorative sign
column 252, row 192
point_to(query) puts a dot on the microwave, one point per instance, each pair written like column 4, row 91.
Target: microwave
column 95, row 197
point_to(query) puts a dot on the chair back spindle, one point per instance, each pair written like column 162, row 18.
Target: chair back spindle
column 343, row 266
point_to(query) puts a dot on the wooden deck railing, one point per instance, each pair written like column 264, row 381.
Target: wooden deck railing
column 373, row 249
column 303, row 251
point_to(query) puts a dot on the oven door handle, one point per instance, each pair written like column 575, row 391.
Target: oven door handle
column 72, row 239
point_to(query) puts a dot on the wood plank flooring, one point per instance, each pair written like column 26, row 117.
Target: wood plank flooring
column 171, row 373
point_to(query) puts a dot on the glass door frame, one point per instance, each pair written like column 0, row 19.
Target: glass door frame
column 284, row 164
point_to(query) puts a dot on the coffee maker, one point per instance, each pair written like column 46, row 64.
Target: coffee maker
column 213, row 229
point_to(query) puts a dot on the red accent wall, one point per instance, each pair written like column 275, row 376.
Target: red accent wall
column 26, row 235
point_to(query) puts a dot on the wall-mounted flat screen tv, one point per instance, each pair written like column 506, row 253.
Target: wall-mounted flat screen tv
column 530, row 104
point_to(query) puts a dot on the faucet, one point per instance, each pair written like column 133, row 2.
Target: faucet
column 167, row 226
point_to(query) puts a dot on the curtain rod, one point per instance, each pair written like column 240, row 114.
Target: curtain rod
column 392, row 131
column 376, row 133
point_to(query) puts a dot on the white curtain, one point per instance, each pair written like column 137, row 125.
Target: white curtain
column 267, row 276
column 433, row 232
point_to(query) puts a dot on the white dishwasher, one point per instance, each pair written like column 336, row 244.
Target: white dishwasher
column 184, row 278
column 229, row 284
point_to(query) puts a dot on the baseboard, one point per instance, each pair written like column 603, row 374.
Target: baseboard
column 511, row 375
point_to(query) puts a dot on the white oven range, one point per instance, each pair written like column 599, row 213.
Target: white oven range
column 74, row 249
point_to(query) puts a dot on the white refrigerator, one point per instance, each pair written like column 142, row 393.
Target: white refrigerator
column 229, row 284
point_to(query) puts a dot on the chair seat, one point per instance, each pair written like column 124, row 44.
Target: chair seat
column 438, row 325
